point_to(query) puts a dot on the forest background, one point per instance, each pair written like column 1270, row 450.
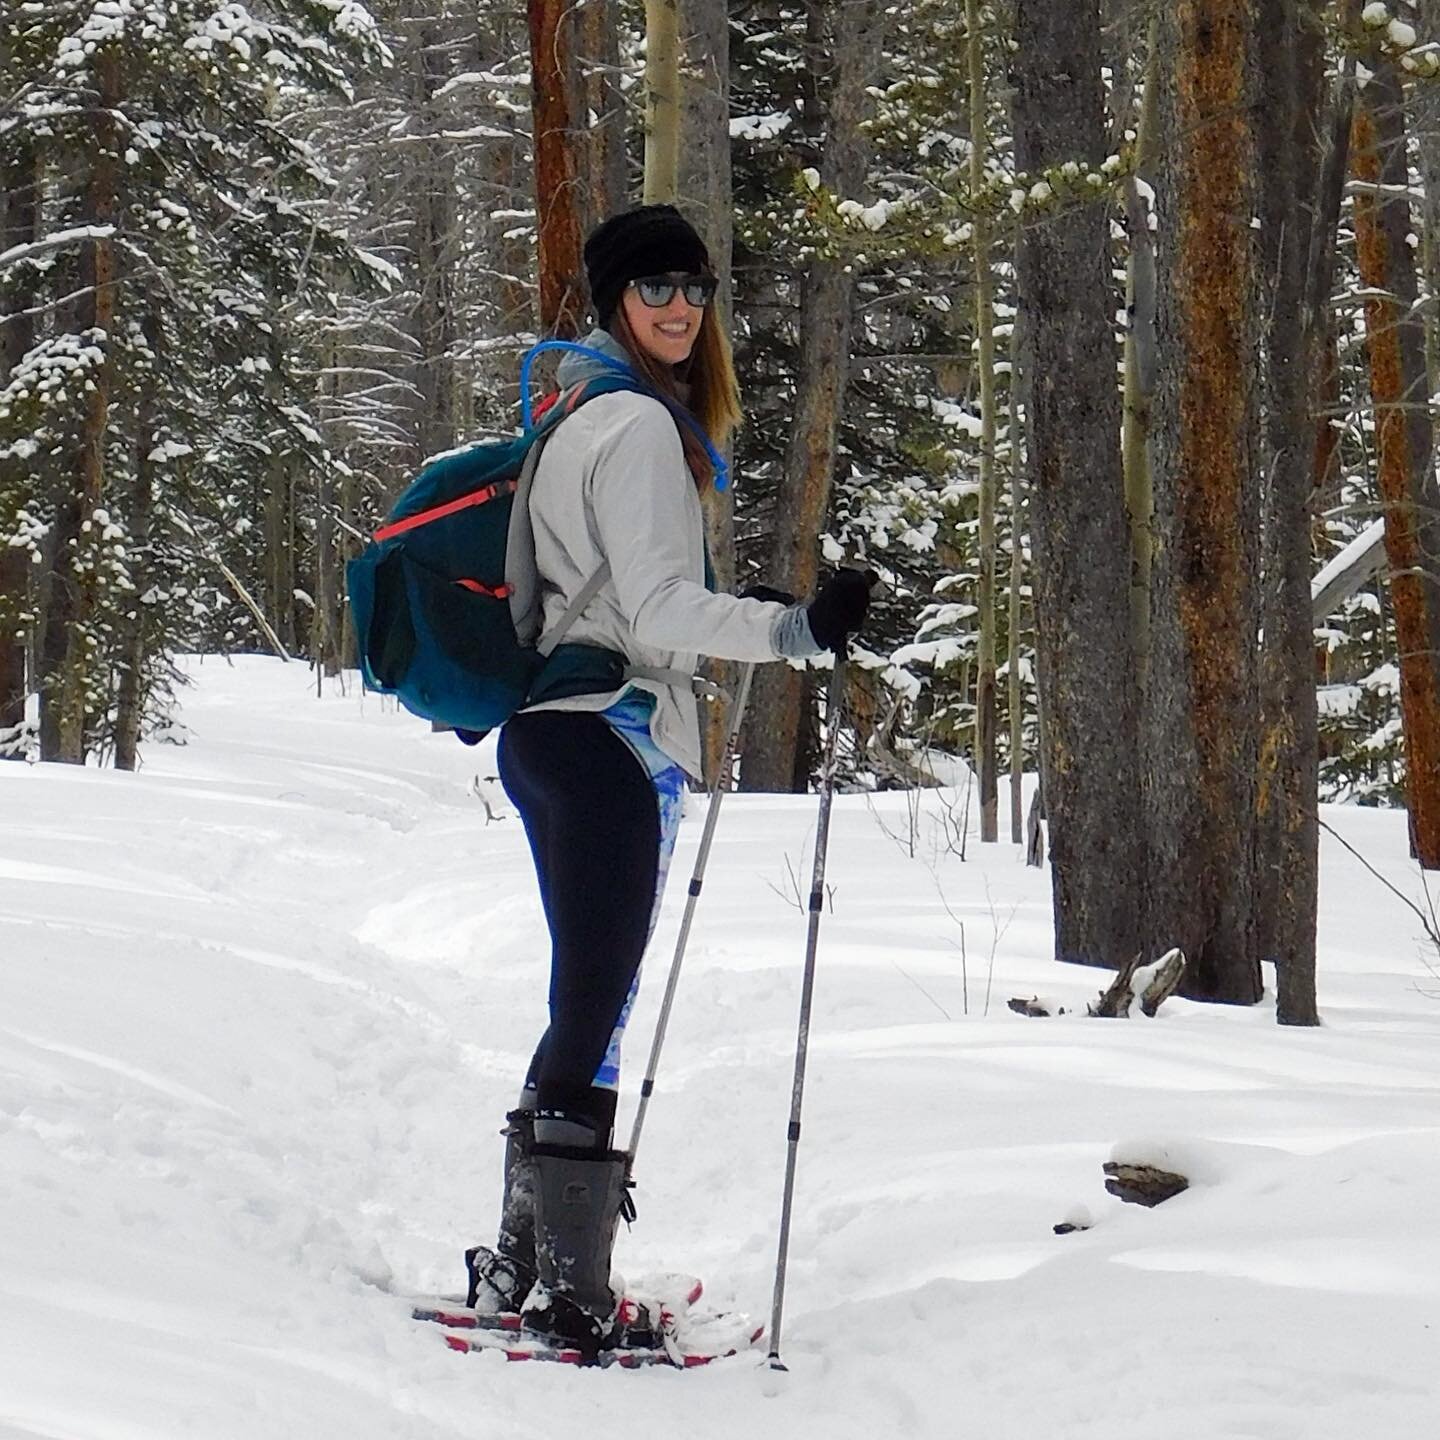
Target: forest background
column 1104, row 332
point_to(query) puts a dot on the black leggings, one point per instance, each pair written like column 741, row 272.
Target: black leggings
column 591, row 817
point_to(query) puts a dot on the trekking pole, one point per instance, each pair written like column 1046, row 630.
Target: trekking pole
column 696, row 881
column 833, row 707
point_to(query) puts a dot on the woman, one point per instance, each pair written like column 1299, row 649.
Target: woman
column 598, row 778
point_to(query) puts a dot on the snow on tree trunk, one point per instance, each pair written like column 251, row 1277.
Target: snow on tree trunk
column 1079, row 528
column 1396, row 343
column 1201, row 721
column 562, row 287
column 1287, row 835
column 846, row 56
column 1015, row 698
column 1140, row 361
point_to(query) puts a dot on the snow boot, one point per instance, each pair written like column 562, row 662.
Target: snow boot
column 500, row 1278
column 580, row 1196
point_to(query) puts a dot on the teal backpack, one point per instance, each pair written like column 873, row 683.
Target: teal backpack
column 446, row 597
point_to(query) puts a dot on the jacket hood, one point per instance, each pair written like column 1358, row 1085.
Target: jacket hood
column 574, row 367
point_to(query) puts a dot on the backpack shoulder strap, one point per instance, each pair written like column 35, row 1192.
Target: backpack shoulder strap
column 583, row 596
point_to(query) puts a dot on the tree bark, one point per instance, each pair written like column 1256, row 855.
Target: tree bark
column 706, row 196
column 662, row 101
column 846, row 55
column 985, row 758
column 278, row 593
column 435, row 249
column 1078, row 522
column 131, row 661
column 1427, row 148
column 1016, row 694
column 20, row 196
column 326, row 625
column 1202, row 712
column 72, row 585
column 1411, row 499
column 602, row 150
column 1140, row 361
column 557, row 208
column 1287, row 836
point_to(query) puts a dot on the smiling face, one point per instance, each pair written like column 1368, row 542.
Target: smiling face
column 668, row 334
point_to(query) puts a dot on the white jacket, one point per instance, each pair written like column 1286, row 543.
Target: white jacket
column 612, row 484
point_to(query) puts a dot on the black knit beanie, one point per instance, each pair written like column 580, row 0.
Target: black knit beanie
column 653, row 240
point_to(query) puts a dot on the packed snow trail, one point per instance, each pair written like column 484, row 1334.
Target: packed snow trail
column 264, row 1004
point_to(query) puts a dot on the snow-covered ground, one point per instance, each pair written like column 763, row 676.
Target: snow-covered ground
column 262, row 1007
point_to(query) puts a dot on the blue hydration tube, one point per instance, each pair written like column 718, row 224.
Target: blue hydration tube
column 722, row 470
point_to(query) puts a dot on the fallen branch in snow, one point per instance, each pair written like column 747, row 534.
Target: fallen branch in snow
column 482, row 790
column 1142, row 1184
column 1035, row 1007
column 1153, row 984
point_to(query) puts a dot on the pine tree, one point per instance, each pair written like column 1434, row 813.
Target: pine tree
column 171, row 218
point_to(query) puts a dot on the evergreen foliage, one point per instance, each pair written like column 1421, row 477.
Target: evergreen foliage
column 323, row 237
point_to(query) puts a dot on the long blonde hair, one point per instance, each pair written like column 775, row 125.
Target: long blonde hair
column 711, row 390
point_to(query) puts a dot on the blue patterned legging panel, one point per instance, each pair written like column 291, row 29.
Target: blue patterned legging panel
column 630, row 719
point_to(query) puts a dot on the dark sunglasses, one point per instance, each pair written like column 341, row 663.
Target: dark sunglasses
column 657, row 291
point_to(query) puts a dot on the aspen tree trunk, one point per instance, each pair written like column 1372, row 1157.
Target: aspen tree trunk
column 662, row 101
column 777, row 726
column 1140, row 361
column 1081, row 539
column 20, row 196
column 72, row 585
column 985, row 762
column 706, row 197
column 1287, row 838
column 557, row 210
column 1396, row 344
column 1202, row 703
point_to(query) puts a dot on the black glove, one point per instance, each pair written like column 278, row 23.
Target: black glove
column 767, row 592
column 839, row 607
column 470, row 737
